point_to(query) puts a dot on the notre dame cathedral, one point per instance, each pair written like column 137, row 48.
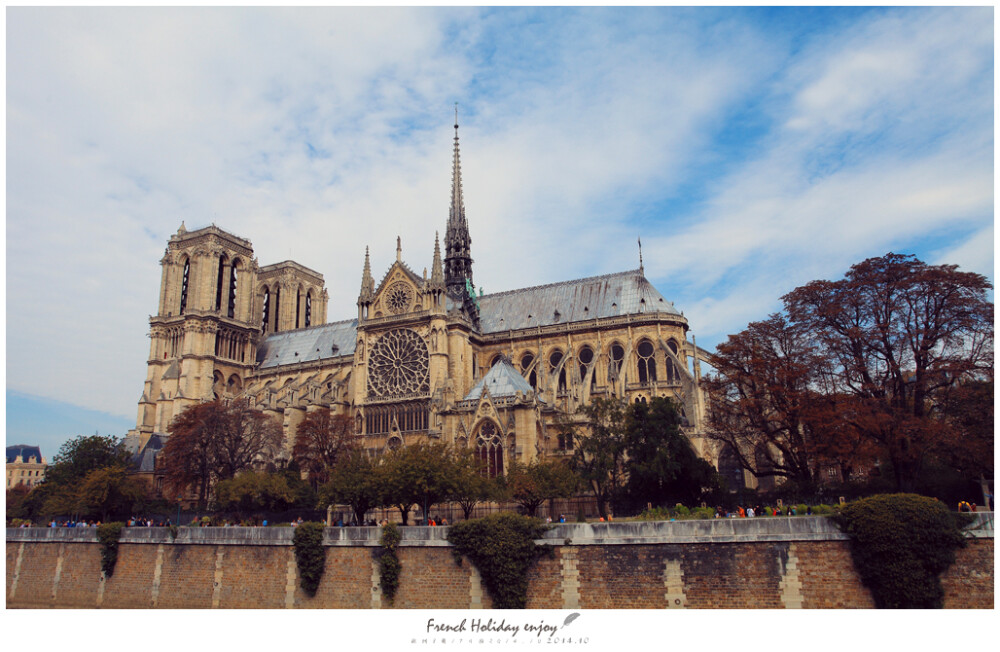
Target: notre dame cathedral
column 426, row 357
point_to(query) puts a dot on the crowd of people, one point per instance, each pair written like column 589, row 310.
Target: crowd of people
column 751, row 512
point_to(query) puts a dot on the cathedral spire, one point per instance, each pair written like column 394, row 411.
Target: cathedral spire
column 437, row 268
column 458, row 255
column 367, row 282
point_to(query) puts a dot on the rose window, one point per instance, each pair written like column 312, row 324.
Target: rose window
column 398, row 365
column 399, row 297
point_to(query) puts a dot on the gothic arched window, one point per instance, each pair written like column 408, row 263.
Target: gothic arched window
column 218, row 282
column 298, row 306
column 232, row 289
column 647, row 362
column 490, row 449
column 266, row 318
column 615, row 359
column 586, row 358
column 672, row 375
column 526, row 360
column 309, row 298
column 554, row 359
column 277, row 306
column 184, row 285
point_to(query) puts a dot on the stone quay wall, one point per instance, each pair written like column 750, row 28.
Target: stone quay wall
column 769, row 563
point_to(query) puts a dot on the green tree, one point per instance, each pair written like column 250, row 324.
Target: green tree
column 661, row 466
column 81, row 455
column 530, row 485
column 471, row 483
column 251, row 492
column 353, row 481
column 418, row 474
column 600, row 448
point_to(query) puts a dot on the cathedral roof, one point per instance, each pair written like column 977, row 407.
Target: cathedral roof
column 308, row 344
column 611, row 295
column 501, row 380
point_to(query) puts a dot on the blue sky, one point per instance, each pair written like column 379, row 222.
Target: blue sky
column 753, row 149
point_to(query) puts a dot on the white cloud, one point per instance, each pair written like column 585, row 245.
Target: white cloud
column 316, row 132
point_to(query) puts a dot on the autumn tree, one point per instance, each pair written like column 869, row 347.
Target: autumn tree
column 109, row 492
column 251, row 492
column 531, row 484
column 899, row 335
column 764, row 400
column 320, row 440
column 214, row 441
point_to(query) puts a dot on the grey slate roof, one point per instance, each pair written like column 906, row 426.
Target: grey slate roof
column 26, row 452
column 502, row 380
column 313, row 343
column 145, row 459
column 611, row 295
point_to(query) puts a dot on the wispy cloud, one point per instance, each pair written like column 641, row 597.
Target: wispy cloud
column 751, row 152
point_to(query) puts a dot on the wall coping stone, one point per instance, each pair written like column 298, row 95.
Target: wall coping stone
column 720, row 530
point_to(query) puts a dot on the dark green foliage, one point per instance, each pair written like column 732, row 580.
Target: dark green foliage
column 662, row 467
column 309, row 555
column 631, row 455
column 531, row 484
column 502, row 547
column 901, row 543
column 81, row 455
column 108, row 534
column 352, row 482
column 388, row 563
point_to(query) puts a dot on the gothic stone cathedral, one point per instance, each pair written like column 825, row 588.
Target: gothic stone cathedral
column 425, row 358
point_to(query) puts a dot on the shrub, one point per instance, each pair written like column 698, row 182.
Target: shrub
column 388, row 563
column 502, row 547
column 108, row 534
column 309, row 555
column 900, row 544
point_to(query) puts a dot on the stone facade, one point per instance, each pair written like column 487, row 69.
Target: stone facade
column 427, row 358
column 796, row 563
column 25, row 466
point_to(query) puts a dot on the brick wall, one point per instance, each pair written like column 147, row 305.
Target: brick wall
column 789, row 563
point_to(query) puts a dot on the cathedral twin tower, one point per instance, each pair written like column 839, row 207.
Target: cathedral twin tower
column 425, row 359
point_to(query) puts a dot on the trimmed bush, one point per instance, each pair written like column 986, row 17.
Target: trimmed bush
column 309, row 555
column 900, row 544
column 388, row 563
column 108, row 534
column 502, row 547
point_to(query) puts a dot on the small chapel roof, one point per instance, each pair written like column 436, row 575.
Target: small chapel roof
column 501, row 380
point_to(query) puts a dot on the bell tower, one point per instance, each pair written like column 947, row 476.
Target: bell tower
column 203, row 338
